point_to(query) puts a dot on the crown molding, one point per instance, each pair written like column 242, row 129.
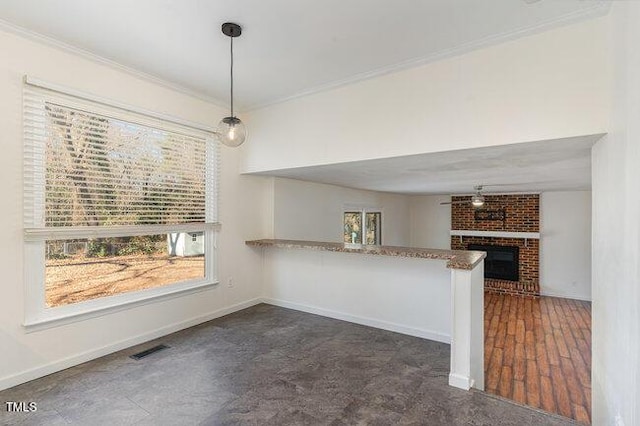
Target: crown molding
column 85, row 54
column 600, row 8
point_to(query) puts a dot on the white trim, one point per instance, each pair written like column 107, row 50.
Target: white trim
column 384, row 325
column 52, row 367
column 601, row 8
column 111, row 103
column 467, row 331
column 363, row 209
column 459, row 381
column 107, row 305
column 563, row 296
column 85, row 54
column 68, row 232
column 38, row 316
column 495, row 234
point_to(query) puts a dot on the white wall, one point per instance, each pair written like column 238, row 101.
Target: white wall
column 314, row 211
column 430, row 221
column 565, row 244
column 244, row 212
column 545, row 86
column 405, row 295
column 616, row 234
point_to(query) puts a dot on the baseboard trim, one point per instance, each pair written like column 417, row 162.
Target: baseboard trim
column 384, row 325
column 35, row 373
column 563, row 296
column 44, row 370
column 459, row 381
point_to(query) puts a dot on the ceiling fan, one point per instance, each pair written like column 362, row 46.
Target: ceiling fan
column 476, row 200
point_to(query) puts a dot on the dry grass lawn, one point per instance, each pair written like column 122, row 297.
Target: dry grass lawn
column 80, row 278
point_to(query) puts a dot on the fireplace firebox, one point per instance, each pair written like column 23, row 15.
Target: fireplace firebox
column 502, row 262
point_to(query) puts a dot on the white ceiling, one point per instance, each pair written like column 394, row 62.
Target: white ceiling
column 294, row 47
column 289, row 47
column 551, row 165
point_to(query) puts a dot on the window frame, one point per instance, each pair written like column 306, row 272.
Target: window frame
column 37, row 315
column 363, row 210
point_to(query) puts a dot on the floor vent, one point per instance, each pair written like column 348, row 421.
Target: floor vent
column 149, row 351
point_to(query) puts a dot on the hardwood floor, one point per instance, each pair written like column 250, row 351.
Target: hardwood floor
column 538, row 352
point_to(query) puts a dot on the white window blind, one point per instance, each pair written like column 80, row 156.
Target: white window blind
column 90, row 166
column 118, row 184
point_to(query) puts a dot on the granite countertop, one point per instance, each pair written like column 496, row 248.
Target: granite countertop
column 456, row 259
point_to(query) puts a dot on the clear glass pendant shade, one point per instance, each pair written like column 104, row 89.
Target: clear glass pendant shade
column 232, row 131
column 477, row 200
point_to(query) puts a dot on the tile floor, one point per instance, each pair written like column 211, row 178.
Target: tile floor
column 538, row 352
column 268, row 366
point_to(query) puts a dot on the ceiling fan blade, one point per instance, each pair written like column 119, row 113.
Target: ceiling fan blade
column 513, row 184
column 454, row 202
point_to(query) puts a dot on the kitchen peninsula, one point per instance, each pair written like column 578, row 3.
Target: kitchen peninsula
column 429, row 293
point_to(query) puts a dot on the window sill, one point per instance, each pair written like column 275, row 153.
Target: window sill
column 68, row 314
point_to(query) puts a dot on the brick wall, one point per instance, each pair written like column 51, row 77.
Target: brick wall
column 522, row 214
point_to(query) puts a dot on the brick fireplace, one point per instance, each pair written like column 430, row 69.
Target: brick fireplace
column 502, row 216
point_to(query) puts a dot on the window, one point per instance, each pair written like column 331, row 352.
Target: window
column 364, row 223
column 373, row 228
column 119, row 206
column 353, row 227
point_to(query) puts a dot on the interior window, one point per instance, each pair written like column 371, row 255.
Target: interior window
column 362, row 226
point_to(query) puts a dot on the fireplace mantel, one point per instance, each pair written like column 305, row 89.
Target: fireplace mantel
column 495, row 234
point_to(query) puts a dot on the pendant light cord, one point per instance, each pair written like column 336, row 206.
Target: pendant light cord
column 231, row 76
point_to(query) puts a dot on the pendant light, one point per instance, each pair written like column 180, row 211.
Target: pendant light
column 231, row 130
column 477, row 200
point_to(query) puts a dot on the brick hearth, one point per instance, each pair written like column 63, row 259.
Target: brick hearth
column 522, row 215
